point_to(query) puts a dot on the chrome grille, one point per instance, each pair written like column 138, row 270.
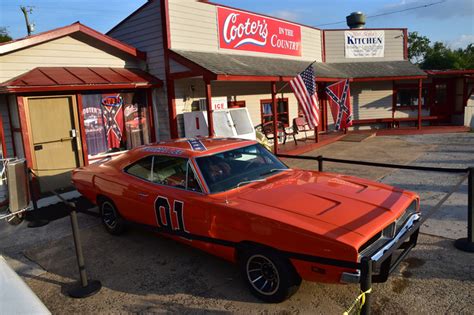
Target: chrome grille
column 388, row 233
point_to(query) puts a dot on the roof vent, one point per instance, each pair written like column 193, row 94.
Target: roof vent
column 356, row 20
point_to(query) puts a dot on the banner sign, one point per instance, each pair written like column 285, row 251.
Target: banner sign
column 246, row 31
column 364, row 44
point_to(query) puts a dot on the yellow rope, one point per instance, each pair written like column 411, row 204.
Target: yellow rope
column 360, row 298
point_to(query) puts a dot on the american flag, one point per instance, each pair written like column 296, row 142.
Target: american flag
column 304, row 87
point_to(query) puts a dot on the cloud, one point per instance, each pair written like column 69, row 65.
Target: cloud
column 444, row 10
column 286, row 15
column 462, row 41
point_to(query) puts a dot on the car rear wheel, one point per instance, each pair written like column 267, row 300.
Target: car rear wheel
column 270, row 277
column 113, row 222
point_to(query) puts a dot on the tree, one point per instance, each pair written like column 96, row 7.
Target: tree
column 417, row 47
column 4, row 37
column 438, row 56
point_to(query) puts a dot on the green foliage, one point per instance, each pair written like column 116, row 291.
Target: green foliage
column 4, row 37
column 438, row 56
column 417, row 47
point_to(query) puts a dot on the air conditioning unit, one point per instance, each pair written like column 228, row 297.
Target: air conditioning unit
column 18, row 185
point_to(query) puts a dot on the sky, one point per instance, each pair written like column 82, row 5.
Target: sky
column 448, row 21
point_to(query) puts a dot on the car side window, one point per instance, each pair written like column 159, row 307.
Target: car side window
column 192, row 182
column 169, row 170
column 142, row 168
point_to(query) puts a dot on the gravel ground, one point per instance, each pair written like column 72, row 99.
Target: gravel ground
column 142, row 273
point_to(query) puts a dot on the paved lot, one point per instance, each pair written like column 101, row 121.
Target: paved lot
column 143, row 273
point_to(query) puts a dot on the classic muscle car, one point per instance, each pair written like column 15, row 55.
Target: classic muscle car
column 236, row 200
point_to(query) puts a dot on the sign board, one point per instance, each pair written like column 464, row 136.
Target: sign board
column 364, row 44
column 217, row 103
column 240, row 30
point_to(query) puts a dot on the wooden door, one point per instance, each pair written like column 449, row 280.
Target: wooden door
column 55, row 142
column 442, row 97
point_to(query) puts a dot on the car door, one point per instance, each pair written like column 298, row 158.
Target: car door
column 179, row 202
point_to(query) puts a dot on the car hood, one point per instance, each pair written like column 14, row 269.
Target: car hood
column 345, row 203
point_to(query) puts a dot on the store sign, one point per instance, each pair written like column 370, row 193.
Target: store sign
column 217, row 103
column 245, row 31
column 364, row 44
column 113, row 100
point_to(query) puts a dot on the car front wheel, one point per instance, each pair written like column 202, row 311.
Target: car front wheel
column 113, row 222
column 270, row 277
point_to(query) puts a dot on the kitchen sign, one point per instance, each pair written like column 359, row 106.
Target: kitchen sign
column 245, row 31
column 364, row 44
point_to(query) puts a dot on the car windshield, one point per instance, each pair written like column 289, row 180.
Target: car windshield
column 227, row 170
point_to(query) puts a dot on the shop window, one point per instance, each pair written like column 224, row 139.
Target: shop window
column 282, row 111
column 236, row 104
column 115, row 121
column 408, row 97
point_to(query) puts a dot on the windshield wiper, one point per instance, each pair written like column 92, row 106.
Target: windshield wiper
column 245, row 182
column 273, row 170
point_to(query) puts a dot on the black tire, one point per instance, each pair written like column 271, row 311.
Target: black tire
column 270, row 277
column 111, row 219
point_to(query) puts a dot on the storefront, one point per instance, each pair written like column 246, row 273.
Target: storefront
column 68, row 97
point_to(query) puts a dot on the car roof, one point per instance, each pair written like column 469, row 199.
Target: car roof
column 195, row 147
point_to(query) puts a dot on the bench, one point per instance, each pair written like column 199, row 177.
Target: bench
column 395, row 122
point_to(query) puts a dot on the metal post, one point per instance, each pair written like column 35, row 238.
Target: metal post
column 87, row 287
column 320, row 163
column 366, row 283
column 467, row 244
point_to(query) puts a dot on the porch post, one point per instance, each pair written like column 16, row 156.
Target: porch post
column 316, row 132
column 274, row 110
column 2, row 138
column 420, row 86
column 210, row 119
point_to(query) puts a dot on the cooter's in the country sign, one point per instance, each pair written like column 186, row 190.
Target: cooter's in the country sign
column 364, row 44
column 239, row 30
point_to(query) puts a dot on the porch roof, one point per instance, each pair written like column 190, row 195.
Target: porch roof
column 44, row 79
column 234, row 67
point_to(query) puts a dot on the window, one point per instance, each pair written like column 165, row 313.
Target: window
column 228, row 170
column 115, row 121
column 165, row 170
column 282, row 111
column 141, row 169
column 408, row 97
column 170, row 171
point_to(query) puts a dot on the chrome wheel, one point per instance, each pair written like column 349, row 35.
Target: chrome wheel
column 109, row 215
column 263, row 275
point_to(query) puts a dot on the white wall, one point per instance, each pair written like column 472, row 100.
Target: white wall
column 193, row 26
column 62, row 52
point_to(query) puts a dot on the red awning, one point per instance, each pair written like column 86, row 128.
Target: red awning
column 46, row 79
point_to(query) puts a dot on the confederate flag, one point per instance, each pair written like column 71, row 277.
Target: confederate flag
column 340, row 102
column 113, row 119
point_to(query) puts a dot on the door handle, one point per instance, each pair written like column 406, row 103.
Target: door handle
column 143, row 195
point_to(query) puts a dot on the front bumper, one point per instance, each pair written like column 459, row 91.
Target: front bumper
column 389, row 256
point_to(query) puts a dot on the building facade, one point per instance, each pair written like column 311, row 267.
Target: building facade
column 70, row 95
column 201, row 49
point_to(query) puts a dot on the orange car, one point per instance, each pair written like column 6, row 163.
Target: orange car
column 234, row 199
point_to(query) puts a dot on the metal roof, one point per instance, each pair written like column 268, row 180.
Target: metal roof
column 78, row 78
column 244, row 65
